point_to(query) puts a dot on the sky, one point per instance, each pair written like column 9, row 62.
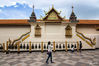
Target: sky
column 22, row 9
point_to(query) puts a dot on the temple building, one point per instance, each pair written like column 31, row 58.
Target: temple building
column 52, row 27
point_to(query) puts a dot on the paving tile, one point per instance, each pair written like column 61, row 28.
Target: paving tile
column 81, row 64
column 61, row 58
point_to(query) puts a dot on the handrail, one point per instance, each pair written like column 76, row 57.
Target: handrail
column 25, row 37
column 20, row 37
column 84, row 40
column 92, row 42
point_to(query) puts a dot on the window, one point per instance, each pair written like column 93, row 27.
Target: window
column 37, row 31
column 68, row 31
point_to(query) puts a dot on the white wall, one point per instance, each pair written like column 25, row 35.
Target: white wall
column 52, row 32
column 97, row 41
column 49, row 33
column 91, row 30
column 12, row 32
column 87, row 29
column 56, row 32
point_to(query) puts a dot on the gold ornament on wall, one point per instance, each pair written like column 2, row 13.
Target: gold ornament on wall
column 68, row 31
column 37, row 31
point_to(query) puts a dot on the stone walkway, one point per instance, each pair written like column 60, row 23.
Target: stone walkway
column 61, row 58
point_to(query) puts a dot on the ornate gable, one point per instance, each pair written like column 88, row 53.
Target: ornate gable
column 52, row 15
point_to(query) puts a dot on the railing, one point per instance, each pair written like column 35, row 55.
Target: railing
column 1, row 47
column 23, row 37
column 88, row 40
column 40, row 46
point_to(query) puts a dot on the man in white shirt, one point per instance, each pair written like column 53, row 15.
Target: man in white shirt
column 50, row 48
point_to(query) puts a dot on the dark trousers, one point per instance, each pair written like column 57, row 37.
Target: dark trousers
column 72, row 50
column 49, row 56
column 80, row 49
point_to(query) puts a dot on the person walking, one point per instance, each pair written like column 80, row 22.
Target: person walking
column 80, row 47
column 50, row 47
column 72, row 48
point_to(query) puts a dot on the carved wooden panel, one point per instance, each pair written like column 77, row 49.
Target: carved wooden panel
column 68, row 31
column 37, row 31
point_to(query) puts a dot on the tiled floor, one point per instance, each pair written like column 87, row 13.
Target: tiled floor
column 85, row 58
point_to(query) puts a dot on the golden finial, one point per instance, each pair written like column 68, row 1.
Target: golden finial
column 52, row 6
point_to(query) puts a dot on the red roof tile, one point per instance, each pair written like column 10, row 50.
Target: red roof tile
column 88, row 22
column 25, row 21
column 14, row 21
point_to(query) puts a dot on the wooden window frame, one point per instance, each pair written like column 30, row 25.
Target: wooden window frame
column 68, row 31
column 37, row 31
